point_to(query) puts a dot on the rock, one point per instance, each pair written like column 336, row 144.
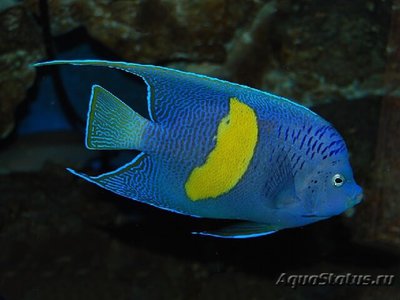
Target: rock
column 315, row 51
column 20, row 46
column 311, row 51
column 154, row 30
column 378, row 221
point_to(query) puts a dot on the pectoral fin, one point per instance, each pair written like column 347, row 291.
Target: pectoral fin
column 241, row 230
column 286, row 197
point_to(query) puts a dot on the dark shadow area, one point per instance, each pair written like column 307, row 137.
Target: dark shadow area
column 62, row 236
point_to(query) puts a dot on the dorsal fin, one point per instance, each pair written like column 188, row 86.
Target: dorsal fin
column 168, row 89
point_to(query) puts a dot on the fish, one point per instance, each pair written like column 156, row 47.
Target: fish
column 215, row 149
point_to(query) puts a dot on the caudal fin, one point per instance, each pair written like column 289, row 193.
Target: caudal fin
column 111, row 124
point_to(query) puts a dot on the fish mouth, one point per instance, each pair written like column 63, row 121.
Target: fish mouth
column 353, row 201
column 359, row 198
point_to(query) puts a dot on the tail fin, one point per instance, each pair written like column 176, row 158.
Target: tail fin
column 111, row 124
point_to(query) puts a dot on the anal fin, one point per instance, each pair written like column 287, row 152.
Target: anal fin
column 135, row 180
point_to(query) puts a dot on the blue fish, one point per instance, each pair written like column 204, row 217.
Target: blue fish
column 221, row 150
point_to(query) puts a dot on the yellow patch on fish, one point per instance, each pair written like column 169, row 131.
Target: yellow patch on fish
column 236, row 140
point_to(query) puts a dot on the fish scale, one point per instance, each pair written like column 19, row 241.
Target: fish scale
column 221, row 150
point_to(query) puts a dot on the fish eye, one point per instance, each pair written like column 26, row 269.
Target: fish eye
column 338, row 180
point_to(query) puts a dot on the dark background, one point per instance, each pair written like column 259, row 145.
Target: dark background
column 63, row 238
